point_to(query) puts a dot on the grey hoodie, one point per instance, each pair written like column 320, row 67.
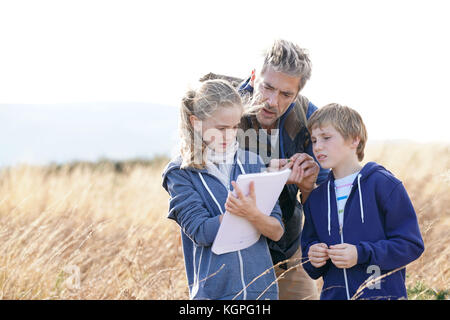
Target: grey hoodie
column 244, row 274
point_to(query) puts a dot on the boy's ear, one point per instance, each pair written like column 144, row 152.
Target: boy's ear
column 355, row 142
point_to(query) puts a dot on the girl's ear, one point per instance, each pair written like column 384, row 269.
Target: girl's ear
column 196, row 123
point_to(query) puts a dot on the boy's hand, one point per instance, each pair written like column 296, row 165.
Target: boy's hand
column 343, row 255
column 318, row 254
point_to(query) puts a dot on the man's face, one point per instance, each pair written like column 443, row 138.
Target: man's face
column 274, row 91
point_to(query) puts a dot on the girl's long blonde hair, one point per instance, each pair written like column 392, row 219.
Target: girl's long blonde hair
column 202, row 103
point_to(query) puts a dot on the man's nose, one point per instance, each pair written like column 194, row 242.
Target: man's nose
column 272, row 100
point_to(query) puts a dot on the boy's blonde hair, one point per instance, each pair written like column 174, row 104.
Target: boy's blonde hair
column 345, row 120
column 202, row 103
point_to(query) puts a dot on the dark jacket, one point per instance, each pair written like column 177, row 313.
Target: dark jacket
column 293, row 138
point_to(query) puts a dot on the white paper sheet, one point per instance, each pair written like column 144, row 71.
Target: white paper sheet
column 237, row 233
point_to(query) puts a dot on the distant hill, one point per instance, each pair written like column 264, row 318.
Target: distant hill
column 58, row 133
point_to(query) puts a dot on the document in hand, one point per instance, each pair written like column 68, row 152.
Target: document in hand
column 237, row 233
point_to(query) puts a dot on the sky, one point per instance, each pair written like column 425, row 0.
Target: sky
column 386, row 59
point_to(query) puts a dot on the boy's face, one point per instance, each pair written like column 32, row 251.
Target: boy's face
column 331, row 149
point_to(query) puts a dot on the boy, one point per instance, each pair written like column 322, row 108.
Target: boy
column 360, row 222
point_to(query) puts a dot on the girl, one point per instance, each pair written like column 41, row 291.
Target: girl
column 199, row 183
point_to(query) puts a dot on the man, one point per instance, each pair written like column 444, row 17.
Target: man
column 275, row 128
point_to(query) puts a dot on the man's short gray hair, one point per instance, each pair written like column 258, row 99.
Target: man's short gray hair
column 287, row 57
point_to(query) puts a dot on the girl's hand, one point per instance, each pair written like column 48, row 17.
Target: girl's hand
column 241, row 205
column 245, row 206
column 318, row 254
column 343, row 255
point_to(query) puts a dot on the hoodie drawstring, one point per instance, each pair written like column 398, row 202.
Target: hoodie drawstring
column 360, row 198
column 241, row 263
column 360, row 203
column 329, row 210
column 209, row 190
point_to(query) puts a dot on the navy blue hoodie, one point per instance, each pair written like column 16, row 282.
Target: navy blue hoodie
column 379, row 220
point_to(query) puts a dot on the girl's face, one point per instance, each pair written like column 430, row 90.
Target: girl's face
column 219, row 131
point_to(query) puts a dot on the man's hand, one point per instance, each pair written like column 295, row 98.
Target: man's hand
column 343, row 255
column 318, row 254
column 304, row 171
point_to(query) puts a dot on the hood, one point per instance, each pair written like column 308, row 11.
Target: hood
column 365, row 172
column 175, row 163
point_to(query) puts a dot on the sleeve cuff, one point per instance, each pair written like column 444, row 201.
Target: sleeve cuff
column 211, row 227
column 362, row 254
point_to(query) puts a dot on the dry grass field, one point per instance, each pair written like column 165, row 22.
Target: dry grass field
column 99, row 231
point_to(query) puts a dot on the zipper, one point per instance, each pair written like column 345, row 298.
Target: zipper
column 241, row 265
column 345, row 271
column 341, row 232
column 196, row 286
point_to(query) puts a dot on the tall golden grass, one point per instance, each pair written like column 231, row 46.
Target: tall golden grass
column 100, row 231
